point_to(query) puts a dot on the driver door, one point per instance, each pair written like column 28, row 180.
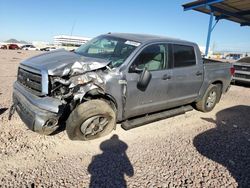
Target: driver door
column 155, row 58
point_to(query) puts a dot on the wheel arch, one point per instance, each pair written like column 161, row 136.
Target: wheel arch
column 96, row 94
column 219, row 84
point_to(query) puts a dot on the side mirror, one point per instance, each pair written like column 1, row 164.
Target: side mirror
column 144, row 80
column 134, row 69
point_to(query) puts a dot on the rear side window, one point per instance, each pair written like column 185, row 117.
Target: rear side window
column 183, row 55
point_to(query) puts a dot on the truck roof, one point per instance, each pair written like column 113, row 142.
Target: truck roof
column 146, row 38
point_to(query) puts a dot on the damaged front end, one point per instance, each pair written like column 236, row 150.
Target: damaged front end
column 77, row 81
column 67, row 88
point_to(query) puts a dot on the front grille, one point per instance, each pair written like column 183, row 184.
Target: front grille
column 242, row 76
column 30, row 80
column 241, row 68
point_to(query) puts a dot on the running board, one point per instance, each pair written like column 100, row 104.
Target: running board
column 137, row 122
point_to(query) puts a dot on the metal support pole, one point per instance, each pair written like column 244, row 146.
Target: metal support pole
column 214, row 25
column 209, row 32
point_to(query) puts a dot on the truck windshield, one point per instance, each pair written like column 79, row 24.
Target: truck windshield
column 110, row 48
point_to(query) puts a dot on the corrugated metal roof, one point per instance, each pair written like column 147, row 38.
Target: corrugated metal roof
column 234, row 10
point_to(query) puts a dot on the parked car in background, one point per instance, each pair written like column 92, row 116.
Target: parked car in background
column 25, row 46
column 48, row 49
column 233, row 56
column 44, row 49
column 14, row 47
column 242, row 70
column 4, row 47
column 29, row 47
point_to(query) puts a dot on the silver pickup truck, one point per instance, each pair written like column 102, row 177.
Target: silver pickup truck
column 242, row 70
column 129, row 78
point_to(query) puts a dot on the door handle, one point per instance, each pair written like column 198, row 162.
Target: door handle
column 198, row 73
column 166, row 77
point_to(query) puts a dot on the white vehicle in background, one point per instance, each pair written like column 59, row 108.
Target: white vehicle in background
column 29, row 47
column 48, row 49
column 233, row 56
column 52, row 48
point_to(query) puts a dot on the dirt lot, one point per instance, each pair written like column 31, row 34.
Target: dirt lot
column 191, row 150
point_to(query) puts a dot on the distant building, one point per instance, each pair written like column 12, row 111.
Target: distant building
column 70, row 41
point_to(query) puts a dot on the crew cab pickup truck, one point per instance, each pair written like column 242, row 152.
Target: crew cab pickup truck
column 117, row 77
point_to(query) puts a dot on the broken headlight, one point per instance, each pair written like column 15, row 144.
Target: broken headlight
column 76, row 85
column 85, row 79
column 59, row 87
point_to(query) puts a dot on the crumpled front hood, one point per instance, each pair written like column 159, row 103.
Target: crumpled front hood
column 55, row 62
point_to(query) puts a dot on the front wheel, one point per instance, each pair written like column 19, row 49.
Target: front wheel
column 209, row 100
column 90, row 120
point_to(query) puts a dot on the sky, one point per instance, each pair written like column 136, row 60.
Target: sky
column 40, row 20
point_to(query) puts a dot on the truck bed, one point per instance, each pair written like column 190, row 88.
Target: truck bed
column 206, row 60
column 219, row 70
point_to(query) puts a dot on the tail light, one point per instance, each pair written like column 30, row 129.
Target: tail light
column 232, row 71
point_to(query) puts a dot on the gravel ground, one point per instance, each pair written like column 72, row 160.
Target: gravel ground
column 192, row 150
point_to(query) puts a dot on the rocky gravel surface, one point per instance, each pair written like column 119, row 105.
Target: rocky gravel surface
column 191, row 150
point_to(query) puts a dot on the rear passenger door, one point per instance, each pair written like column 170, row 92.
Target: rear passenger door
column 187, row 76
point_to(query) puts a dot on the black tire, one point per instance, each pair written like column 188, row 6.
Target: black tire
column 83, row 113
column 203, row 105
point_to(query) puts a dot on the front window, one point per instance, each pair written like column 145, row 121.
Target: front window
column 113, row 49
column 153, row 57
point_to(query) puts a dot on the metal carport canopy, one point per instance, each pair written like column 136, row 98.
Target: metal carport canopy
column 234, row 10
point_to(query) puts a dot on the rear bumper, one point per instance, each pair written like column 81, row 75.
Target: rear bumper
column 241, row 79
column 242, row 76
column 40, row 114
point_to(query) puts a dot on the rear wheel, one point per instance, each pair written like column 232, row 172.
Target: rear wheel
column 209, row 100
column 90, row 120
